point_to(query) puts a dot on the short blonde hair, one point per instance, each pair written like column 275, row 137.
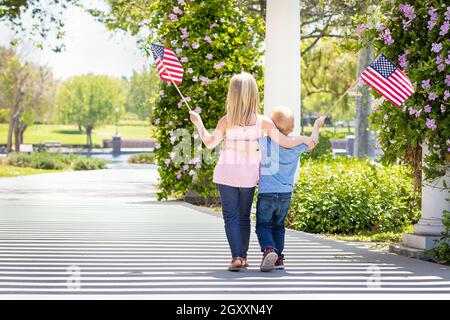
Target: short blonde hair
column 283, row 118
column 242, row 99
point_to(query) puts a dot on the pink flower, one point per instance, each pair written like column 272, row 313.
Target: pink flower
column 441, row 67
column 178, row 51
column 184, row 33
column 189, row 70
column 408, row 11
column 444, row 28
column 157, row 146
column 431, row 124
column 191, row 172
column 213, row 25
column 209, row 56
column 195, row 45
column 447, row 61
column 174, row 42
column 173, row 17
column 446, row 95
column 219, row 65
column 167, row 162
column 185, row 167
column 180, row 2
column 432, row 96
column 186, row 43
column 447, row 80
column 204, row 80
column 361, row 29
column 403, row 60
column 198, row 110
column 426, row 84
column 387, row 37
column 188, row 99
column 427, row 108
column 179, row 175
column 172, row 139
column 436, row 47
column 161, row 93
column 184, row 59
column 207, row 39
column 177, row 10
column 157, row 121
column 195, row 79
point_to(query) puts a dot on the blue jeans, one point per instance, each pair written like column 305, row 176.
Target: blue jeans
column 271, row 210
column 236, row 206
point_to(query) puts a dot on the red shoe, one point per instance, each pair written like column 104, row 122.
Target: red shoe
column 279, row 264
column 268, row 260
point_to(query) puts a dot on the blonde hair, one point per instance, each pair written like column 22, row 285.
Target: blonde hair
column 242, row 99
column 283, row 118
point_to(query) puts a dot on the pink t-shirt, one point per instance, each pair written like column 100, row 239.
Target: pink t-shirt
column 238, row 168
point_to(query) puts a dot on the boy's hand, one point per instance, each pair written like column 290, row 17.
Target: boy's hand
column 310, row 142
column 195, row 117
column 320, row 121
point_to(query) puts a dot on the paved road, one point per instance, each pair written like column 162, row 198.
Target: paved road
column 102, row 233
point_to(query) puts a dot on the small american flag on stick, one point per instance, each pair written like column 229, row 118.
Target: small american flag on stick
column 167, row 64
column 388, row 80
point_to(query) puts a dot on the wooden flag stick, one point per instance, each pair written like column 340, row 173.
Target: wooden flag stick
column 182, row 96
column 340, row 98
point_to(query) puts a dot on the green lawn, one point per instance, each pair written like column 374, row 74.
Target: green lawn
column 69, row 134
column 10, row 171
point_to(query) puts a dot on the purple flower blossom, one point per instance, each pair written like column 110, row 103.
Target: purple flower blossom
column 446, row 95
column 195, row 79
column 403, row 60
column 180, row 2
column 205, row 80
column 219, row 65
column 439, row 59
column 178, row 51
column 209, row 56
column 172, row 139
column 441, row 67
column 444, row 28
column 361, row 29
column 198, row 110
column 177, row 10
column 195, row 45
column 174, row 42
column 170, row 123
column 179, row 104
column 207, row 39
column 173, row 17
column 157, row 121
column 186, row 43
column 161, row 93
column 167, row 162
column 447, row 61
column 436, row 47
column 447, row 14
column 244, row 19
column 198, row 165
column 185, row 167
column 189, row 70
column 184, row 59
column 411, row 111
column 427, row 108
column 426, row 84
column 157, row 145
column 443, row 108
column 213, row 25
column 408, row 11
column 179, row 175
column 191, row 172
column 184, row 33
column 432, row 96
column 433, row 18
column 447, row 80
column 431, row 124
column 188, row 99
column 387, row 37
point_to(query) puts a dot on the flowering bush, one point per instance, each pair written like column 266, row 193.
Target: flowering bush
column 415, row 35
column 213, row 40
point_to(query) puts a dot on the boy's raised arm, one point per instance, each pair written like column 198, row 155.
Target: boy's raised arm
column 315, row 131
column 285, row 141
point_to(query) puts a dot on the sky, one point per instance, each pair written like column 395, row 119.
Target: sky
column 90, row 48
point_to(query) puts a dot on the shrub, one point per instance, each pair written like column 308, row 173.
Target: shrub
column 82, row 163
column 344, row 195
column 51, row 161
column 441, row 252
column 145, row 158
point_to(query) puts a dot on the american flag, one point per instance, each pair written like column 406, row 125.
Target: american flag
column 388, row 80
column 167, row 64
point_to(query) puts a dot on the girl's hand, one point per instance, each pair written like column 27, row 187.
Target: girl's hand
column 310, row 142
column 195, row 117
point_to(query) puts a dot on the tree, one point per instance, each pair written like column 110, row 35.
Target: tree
column 46, row 19
column 143, row 87
column 23, row 89
column 90, row 101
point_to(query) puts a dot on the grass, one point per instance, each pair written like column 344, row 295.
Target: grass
column 10, row 171
column 69, row 134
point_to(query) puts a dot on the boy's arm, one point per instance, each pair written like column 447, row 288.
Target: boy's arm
column 315, row 132
column 285, row 141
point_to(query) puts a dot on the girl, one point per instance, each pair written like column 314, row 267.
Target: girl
column 237, row 170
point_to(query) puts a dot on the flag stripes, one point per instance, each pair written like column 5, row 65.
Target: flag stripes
column 167, row 64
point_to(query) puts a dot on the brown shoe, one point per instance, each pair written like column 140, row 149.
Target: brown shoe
column 244, row 263
column 268, row 260
column 236, row 264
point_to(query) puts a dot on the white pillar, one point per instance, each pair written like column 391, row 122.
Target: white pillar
column 430, row 225
column 282, row 57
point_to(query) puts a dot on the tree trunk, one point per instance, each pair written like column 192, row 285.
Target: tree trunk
column 89, row 135
column 10, row 135
column 23, row 127
column 17, row 140
column 363, row 102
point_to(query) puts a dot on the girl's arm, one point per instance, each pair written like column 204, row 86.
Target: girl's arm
column 285, row 141
column 210, row 140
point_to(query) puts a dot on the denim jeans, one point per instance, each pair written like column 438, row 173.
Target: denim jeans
column 271, row 210
column 236, row 206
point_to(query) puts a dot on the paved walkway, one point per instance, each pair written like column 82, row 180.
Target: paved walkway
column 101, row 233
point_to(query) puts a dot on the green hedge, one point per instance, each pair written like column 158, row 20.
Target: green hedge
column 52, row 161
column 142, row 158
column 344, row 195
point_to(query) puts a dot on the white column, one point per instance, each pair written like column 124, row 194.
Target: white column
column 430, row 225
column 282, row 57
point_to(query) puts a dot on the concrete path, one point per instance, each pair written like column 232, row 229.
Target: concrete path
column 100, row 234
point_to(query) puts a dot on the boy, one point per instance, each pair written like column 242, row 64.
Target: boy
column 276, row 181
